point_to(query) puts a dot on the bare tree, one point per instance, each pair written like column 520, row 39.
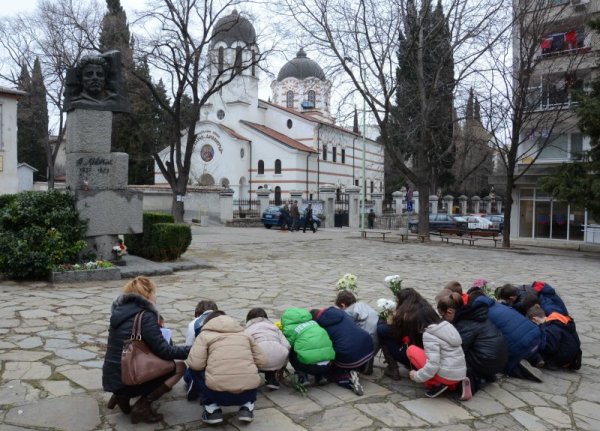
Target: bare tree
column 178, row 47
column 59, row 33
column 532, row 88
column 362, row 39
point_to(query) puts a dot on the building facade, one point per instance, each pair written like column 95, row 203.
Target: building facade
column 289, row 144
column 9, row 176
column 566, row 62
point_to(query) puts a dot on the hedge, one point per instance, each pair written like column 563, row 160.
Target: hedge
column 158, row 242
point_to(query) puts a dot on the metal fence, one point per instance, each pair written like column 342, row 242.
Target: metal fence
column 243, row 208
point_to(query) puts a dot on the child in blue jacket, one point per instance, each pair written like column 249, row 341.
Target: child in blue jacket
column 560, row 346
column 353, row 346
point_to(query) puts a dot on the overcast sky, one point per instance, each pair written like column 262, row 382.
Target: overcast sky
column 10, row 7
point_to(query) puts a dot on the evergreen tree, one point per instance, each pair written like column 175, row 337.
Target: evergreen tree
column 32, row 120
column 133, row 132
column 424, row 100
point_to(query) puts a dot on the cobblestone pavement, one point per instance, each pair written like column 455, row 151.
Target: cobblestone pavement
column 53, row 338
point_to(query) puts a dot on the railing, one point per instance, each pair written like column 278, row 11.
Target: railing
column 243, row 208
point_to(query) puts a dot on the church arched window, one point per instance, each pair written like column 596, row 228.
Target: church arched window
column 311, row 98
column 221, row 59
column 290, row 99
column 238, row 60
column 277, row 166
column 261, row 167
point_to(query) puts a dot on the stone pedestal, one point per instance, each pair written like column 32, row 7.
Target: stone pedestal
column 487, row 204
column 399, row 198
column 498, row 206
column 226, row 205
column 462, row 202
column 263, row 196
column 449, row 202
column 416, row 204
column 98, row 179
column 353, row 207
column 378, row 198
column 327, row 195
column 476, row 203
column 433, row 204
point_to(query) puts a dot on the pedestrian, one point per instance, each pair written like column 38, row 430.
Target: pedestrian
column 285, row 217
column 295, row 214
column 308, row 219
column 371, row 218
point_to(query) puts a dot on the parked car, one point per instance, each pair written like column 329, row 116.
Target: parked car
column 479, row 223
column 272, row 217
column 436, row 221
column 496, row 218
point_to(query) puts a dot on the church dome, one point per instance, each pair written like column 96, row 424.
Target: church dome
column 233, row 28
column 301, row 67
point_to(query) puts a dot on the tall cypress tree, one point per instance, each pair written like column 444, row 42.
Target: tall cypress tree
column 32, row 120
column 424, row 100
column 132, row 132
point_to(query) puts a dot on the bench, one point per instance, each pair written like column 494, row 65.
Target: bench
column 405, row 236
column 448, row 233
column 383, row 233
column 486, row 235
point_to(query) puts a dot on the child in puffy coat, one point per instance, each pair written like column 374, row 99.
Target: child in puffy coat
column 353, row 347
column 364, row 316
column 226, row 361
column 272, row 342
column 522, row 336
column 312, row 349
column 440, row 363
column 560, row 346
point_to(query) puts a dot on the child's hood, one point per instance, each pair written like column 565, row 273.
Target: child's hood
column 359, row 310
column 259, row 320
column 331, row 316
column 295, row 316
column 224, row 324
column 445, row 331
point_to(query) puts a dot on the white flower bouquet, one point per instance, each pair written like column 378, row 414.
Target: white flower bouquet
column 386, row 306
column 347, row 282
column 394, row 283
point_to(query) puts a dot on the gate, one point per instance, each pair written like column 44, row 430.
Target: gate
column 342, row 210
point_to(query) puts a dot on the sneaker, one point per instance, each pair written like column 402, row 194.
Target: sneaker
column 215, row 417
column 529, row 372
column 245, row 414
column 321, row 380
column 191, row 393
column 271, row 381
column 355, row 383
column 302, row 379
column 466, row 394
column 435, row 391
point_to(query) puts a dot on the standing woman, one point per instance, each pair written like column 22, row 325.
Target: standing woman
column 138, row 295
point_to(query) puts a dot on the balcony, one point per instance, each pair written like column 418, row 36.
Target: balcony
column 556, row 92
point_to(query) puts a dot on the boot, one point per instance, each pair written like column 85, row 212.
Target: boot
column 122, row 402
column 391, row 369
column 158, row 392
column 142, row 412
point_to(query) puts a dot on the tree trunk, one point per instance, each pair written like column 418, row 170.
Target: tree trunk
column 177, row 207
column 423, row 189
column 508, row 201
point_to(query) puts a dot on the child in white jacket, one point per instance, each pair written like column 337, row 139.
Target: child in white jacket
column 272, row 342
column 440, row 364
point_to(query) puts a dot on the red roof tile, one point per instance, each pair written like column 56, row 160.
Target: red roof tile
column 233, row 133
column 273, row 134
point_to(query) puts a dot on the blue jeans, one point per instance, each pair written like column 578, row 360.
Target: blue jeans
column 210, row 396
column 314, row 369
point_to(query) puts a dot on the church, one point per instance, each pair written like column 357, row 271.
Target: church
column 290, row 143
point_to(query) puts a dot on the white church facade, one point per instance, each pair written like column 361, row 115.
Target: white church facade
column 288, row 144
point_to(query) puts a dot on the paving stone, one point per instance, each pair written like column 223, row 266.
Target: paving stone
column 553, row 416
column 390, row 415
column 58, row 388
column 530, row 422
column 75, row 354
column 17, row 392
column 26, row 371
column 36, row 313
column 58, row 343
column 180, row 412
column 9, row 323
column 90, row 379
column 56, row 334
column 30, row 343
column 23, row 355
column 269, row 419
column 436, row 411
column 587, row 415
column 351, row 419
column 292, row 402
column 77, row 413
column 482, row 404
column 323, row 398
column 504, row 397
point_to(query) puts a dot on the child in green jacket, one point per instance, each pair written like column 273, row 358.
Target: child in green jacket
column 311, row 347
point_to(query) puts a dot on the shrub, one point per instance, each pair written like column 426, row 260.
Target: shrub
column 161, row 240
column 39, row 230
column 169, row 240
column 137, row 244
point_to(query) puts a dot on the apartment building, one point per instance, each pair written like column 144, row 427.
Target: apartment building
column 565, row 62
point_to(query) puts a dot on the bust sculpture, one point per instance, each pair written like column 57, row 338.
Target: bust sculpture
column 96, row 83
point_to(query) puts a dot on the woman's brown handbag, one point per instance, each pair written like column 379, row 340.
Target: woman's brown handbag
column 138, row 363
